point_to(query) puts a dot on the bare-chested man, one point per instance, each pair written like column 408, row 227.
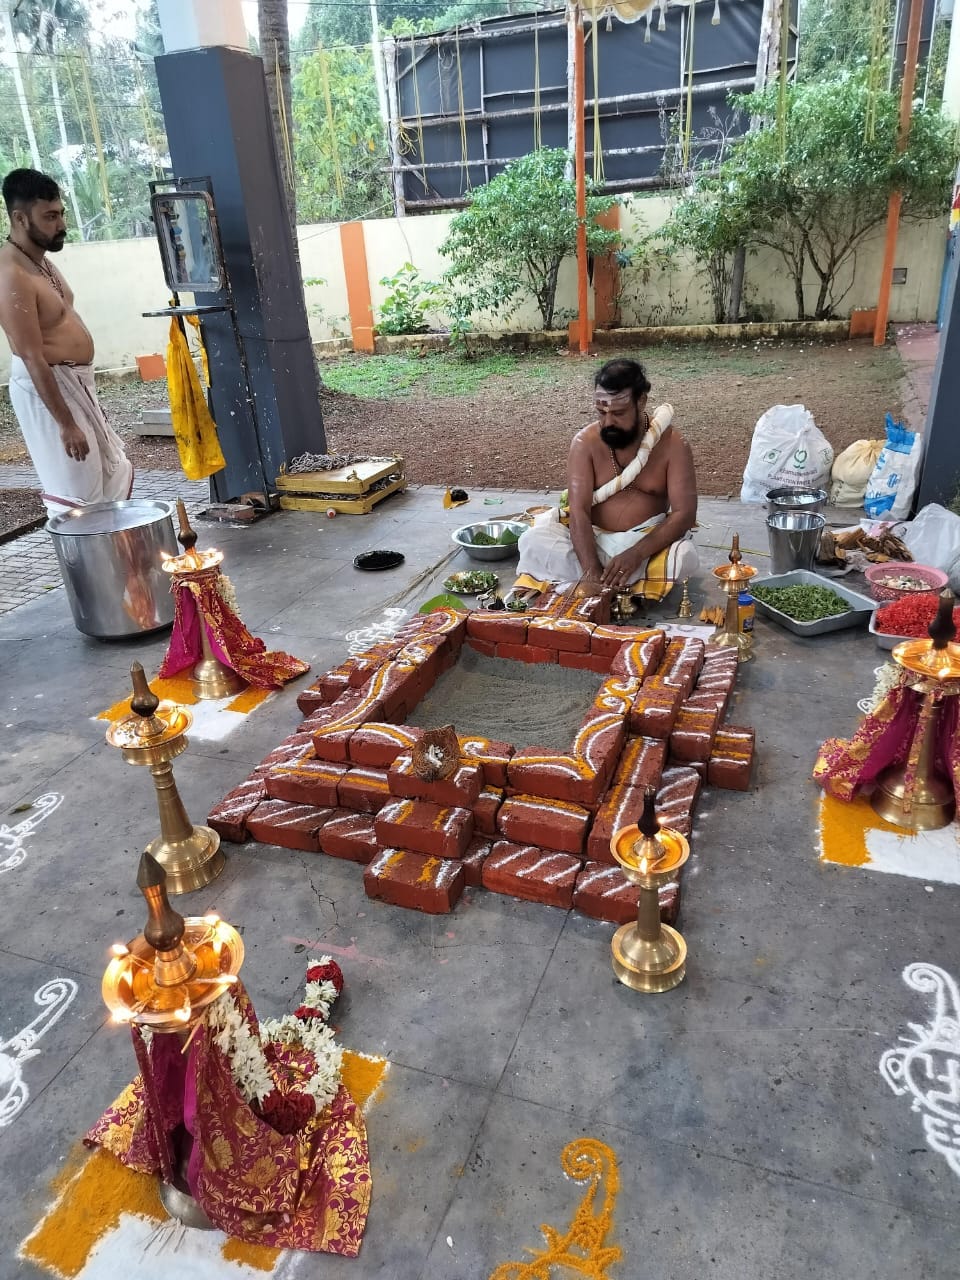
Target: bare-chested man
column 632, row 497
column 78, row 458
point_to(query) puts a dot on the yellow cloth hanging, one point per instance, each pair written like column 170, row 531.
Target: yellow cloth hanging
column 194, row 430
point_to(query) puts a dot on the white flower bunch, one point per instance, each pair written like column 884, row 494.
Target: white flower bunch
column 318, row 1039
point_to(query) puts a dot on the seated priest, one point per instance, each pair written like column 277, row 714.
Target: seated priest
column 632, row 496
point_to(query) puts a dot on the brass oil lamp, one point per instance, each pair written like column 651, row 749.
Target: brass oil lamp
column 164, row 980
column 154, row 734
column 211, row 678
column 647, row 954
column 732, row 578
column 916, row 794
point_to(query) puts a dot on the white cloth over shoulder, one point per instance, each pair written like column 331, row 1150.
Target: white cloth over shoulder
column 104, row 475
column 661, row 419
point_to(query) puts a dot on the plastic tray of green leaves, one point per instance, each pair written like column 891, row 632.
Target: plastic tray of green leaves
column 808, row 604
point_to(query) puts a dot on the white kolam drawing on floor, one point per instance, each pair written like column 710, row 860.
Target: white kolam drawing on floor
column 927, row 1066
column 54, row 998
column 12, row 851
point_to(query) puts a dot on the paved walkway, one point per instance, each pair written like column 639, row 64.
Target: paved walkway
column 918, row 345
column 28, row 565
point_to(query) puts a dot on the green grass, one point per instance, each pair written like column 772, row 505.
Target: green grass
column 382, row 377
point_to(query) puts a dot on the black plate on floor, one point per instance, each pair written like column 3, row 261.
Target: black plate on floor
column 375, row 560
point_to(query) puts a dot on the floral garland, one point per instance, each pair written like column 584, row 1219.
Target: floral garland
column 227, row 593
column 251, row 1055
column 888, row 677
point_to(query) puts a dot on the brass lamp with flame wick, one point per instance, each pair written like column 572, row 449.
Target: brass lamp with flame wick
column 732, row 578
column 154, row 734
column 647, row 954
column 164, row 980
column 211, row 679
column 916, row 794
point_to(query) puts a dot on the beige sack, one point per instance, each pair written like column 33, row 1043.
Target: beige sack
column 851, row 472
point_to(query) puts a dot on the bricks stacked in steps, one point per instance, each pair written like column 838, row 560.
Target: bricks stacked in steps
column 691, row 739
column 604, row 893
column 306, row 781
column 655, row 708
column 229, row 817
column 473, row 859
column 492, row 757
column 537, row 875
column 622, row 807
column 462, row 789
column 414, row 880
column 291, row 826
column 377, row 744
column 425, row 828
column 486, row 809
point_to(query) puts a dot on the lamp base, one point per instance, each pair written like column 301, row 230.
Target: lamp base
column 211, row 679
column 933, row 804
column 649, row 966
column 189, row 863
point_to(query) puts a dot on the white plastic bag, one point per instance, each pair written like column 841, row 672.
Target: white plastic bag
column 934, row 539
column 851, row 472
column 788, row 450
column 890, row 491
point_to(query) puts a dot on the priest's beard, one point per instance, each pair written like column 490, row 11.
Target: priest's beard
column 620, row 437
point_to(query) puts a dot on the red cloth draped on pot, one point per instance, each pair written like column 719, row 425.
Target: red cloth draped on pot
column 885, row 737
column 199, row 602
column 306, row 1190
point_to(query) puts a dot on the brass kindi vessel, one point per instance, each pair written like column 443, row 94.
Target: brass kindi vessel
column 211, row 678
column 916, row 793
column 154, row 734
column 163, row 980
column 647, row 954
column 732, row 578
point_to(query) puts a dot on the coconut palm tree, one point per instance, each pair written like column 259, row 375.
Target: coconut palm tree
column 274, row 34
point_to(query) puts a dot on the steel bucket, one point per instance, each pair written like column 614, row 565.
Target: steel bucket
column 110, row 557
column 794, row 537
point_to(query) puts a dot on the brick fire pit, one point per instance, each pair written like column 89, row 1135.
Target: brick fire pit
column 518, row 819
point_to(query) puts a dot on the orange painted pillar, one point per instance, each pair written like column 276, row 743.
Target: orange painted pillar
column 606, row 276
column 359, row 302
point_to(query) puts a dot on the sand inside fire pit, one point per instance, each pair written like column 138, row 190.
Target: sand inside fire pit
column 538, row 704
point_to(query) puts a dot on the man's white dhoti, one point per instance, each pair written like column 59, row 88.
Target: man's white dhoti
column 104, row 475
column 547, row 554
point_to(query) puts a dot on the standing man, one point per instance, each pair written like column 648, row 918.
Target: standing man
column 632, row 498
column 78, row 457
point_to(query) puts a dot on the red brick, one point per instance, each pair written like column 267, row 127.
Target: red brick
column 333, row 744
column 427, row 653
column 585, row 662
column 412, row 880
column 580, row 777
column 228, row 818
column 498, row 627
column 487, row 647
column 364, row 665
column 461, row 789
column 473, row 860
column 306, row 781
column 595, row 609
column 350, row 836
column 716, row 656
column 399, row 687
column 598, row 743
column 641, row 763
column 711, row 693
column 365, row 790
column 333, row 684
column 309, row 700
column 682, row 662
column 621, row 807
column 377, row 744
column 693, row 733
column 353, row 707
column 449, row 622
column 605, row 893
column 485, row 810
column 550, row 824
column 525, row 653
column 617, row 694
column 289, row 751
column 677, row 798
column 492, row 757
column 731, row 761
column 538, row 875
column 424, row 827
column 560, row 633
column 291, row 826
column 607, row 641
column 655, row 710
column 639, row 657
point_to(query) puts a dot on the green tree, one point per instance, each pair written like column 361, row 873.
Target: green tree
column 834, row 34
column 341, row 153
column 513, row 236
column 710, row 223
column 814, row 187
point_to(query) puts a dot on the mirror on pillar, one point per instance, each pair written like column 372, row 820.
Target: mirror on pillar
column 186, row 227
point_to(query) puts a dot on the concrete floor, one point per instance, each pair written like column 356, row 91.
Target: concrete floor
column 754, row 1133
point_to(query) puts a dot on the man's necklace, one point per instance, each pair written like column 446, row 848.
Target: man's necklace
column 613, row 452
column 44, row 268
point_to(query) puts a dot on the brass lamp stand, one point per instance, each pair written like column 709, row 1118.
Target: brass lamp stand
column 154, row 734
column 732, row 579
column 164, row 980
column 649, row 955
column 211, row 679
column 916, row 794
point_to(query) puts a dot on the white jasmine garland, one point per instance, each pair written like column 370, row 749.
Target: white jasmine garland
column 320, row 996
column 227, row 593
column 888, row 677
